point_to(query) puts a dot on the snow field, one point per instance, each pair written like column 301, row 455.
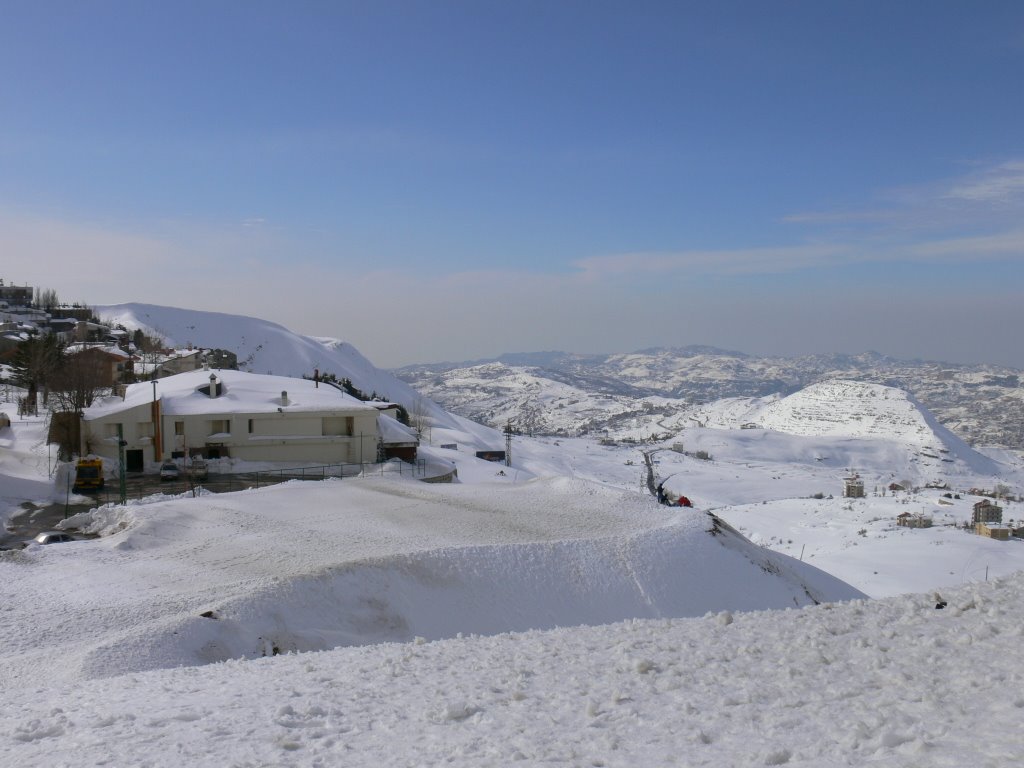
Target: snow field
column 858, row 541
column 892, row 682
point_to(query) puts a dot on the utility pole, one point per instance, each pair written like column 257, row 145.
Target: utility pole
column 122, row 485
column 508, row 443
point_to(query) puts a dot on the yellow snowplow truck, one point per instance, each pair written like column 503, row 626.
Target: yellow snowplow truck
column 88, row 475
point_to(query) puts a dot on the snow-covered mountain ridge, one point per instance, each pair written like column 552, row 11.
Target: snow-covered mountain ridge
column 983, row 404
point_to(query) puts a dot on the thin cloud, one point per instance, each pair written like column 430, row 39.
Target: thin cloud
column 839, row 217
column 1003, row 183
column 1004, row 244
column 992, row 194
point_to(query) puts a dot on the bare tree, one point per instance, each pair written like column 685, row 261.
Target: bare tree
column 419, row 416
column 77, row 381
column 46, row 299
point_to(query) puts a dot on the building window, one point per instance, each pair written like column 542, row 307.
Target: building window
column 179, row 427
column 337, row 425
column 220, row 426
column 144, row 429
column 251, row 421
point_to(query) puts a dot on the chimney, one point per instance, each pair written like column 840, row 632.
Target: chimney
column 284, row 398
column 213, row 385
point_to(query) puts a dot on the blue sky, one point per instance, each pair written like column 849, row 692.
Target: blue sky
column 455, row 180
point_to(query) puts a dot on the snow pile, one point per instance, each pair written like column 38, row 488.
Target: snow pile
column 25, row 463
column 309, row 566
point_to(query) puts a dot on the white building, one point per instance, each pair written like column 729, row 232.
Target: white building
column 231, row 413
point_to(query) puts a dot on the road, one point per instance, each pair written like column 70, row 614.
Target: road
column 25, row 525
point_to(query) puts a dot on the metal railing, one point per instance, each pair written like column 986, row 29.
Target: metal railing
column 141, row 486
column 324, row 471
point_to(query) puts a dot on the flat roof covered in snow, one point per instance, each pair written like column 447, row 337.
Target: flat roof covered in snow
column 241, row 392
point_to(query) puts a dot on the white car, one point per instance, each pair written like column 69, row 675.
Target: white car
column 53, row 537
column 169, row 470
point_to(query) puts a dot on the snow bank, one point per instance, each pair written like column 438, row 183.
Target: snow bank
column 309, row 566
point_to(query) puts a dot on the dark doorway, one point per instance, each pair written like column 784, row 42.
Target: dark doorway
column 133, row 461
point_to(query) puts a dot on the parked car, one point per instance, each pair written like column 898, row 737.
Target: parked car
column 53, row 537
column 169, row 470
column 198, row 470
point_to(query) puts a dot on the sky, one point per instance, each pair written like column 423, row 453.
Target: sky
column 455, row 180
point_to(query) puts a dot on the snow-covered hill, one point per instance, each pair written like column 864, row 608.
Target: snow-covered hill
column 495, row 393
column 839, row 415
column 984, row 404
column 266, row 347
column 261, row 346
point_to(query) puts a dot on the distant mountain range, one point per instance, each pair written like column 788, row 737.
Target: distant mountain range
column 561, row 393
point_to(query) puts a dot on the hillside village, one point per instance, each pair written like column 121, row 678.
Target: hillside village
column 118, row 356
column 194, row 404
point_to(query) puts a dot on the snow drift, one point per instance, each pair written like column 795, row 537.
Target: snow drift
column 305, row 567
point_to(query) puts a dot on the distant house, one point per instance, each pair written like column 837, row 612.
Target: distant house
column 63, row 329
column 180, row 361
column 86, row 330
column 896, row 487
column 986, row 512
column 158, row 365
column 853, row 487
column 491, row 455
column 993, row 531
column 222, row 359
column 397, row 440
column 16, row 295
column 231, row 413
column 907, row 520
column 112, row 363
